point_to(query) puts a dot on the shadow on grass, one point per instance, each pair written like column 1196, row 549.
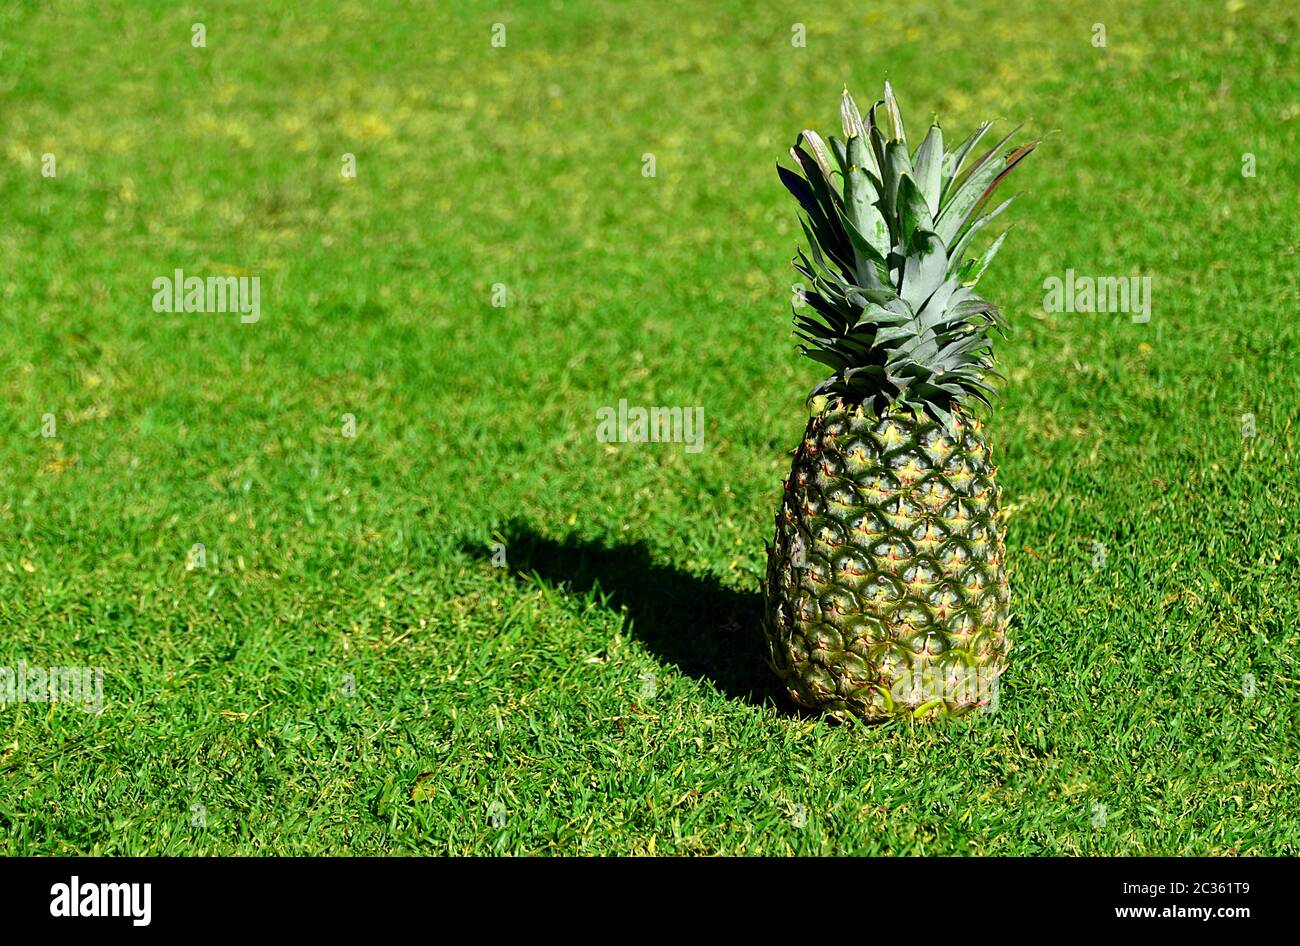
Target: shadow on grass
column 709, row 631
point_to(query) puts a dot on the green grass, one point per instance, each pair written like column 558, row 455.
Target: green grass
column 600, row 694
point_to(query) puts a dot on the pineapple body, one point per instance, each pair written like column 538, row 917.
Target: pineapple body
column 886, row 592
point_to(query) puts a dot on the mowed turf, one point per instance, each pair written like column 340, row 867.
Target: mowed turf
column 349, row 671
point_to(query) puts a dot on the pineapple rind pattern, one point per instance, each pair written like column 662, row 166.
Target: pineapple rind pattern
column 886, row 589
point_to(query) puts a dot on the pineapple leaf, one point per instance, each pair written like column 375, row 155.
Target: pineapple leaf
column 929, row 166
column 959, row 250
column 799, row 188
column 850, row 117
column 973, row 188
column 869, row 261
column 982, row 263
column 879, row 297
column 913, row 209
column 819, row 151
column 870, row 371
column 1012, row 160
column 953, row 161
column 851, row 121
column 876, row 141
column 826, row 356
column 897, row 163
column 841, row 152
column 924, row 268
column 820, row 185
column 895, row 116
column 824, row 219
column 893, row 332
column 934, row 313
column 861, row 196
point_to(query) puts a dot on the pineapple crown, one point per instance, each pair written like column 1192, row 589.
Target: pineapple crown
column 894, row 308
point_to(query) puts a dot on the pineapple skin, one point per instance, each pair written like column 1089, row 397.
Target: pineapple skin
column 886, row 591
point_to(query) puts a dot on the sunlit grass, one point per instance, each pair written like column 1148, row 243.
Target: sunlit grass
column 348, row 672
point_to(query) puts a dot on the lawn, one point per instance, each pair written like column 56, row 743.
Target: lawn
column 432, row 612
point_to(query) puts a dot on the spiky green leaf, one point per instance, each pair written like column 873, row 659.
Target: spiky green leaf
column 928, row 165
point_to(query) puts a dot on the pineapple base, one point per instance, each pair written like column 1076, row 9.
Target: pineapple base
column 886, row 592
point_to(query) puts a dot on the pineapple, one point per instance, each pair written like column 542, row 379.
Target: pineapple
column 886, row 591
